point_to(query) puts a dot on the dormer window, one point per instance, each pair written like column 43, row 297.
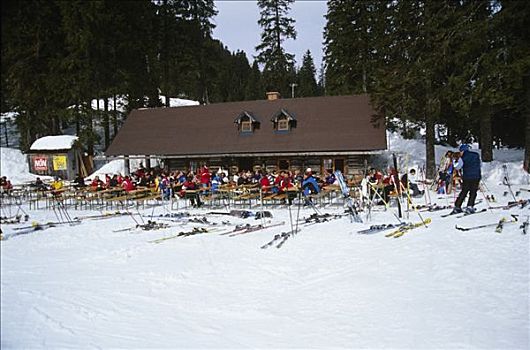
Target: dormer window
column 283, row 125
column 246, row 123
column 283, row 121
column 246, row 126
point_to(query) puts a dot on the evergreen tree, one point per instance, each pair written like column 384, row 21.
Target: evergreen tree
column 352, row 32
column 307, row 84
column 277, row 28
column 255, row 89
column 29, row 61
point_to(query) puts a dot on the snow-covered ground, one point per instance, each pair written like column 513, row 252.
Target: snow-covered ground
column 14, row 165
column 86, row 286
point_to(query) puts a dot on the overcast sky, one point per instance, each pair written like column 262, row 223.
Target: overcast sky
column 237, row 27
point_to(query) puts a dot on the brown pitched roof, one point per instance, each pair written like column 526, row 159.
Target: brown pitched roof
column 323, row 124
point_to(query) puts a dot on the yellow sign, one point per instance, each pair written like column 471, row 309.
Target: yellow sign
column 59, row 163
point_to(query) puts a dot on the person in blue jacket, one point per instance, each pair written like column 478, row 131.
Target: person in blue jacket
column 470, row 164
column 309, row 185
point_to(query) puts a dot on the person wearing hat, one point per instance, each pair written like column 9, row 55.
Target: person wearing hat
column 309, row 185
column 470, row 164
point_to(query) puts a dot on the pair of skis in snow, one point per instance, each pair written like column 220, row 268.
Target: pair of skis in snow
column 244, row 229
column 36, row 226
column 498, row 225
column 400, row 231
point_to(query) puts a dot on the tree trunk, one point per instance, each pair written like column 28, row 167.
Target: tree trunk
column 429, row 146
column 90, row 129
column 526, row 87
column 106, row 124
column 486, row 139
column 114, row 119
column 77, row 120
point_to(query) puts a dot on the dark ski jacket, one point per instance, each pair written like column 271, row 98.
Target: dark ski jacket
column 471, row 167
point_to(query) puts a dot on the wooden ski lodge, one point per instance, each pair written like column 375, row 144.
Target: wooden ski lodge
column 331, row 132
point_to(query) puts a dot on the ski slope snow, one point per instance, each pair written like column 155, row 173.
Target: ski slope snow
column 86, row 286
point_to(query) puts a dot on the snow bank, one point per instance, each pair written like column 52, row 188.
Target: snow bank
column 122, row 101
column 14, row 165
column 412, row 154
column 54, row 142
column 117, row 166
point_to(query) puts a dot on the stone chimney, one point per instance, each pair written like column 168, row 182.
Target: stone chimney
column 271, row 96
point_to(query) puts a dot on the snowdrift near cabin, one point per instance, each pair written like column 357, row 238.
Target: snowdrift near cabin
column 117, row 166
column 14, row 165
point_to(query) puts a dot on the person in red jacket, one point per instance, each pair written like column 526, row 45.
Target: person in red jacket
column 96, row 184
column 264, row 182
column 127, row 184
column 205, row 177
column 191, row 186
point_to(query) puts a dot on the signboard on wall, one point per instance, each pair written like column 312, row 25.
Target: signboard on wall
column 40, row 163
column 59, row 163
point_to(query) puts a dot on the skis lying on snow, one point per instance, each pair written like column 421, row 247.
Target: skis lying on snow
column 471, row 213
column 35, row 226
column 102, row 216
column 521, row 203
column 148, row 226
column 13, row 219
column 319, row 218
column 498, row 225
column 431, row 208
column 383, row 227
column 244, row 214
column 194, row 231
column 406, row 228
column 241, row 230
column 282, row 237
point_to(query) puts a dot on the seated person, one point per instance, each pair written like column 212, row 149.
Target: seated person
column 329, row 177
column 56, row 186
column 114, row 181
column 190, row 185
column 6, row 185
column 282, row 184
column 390, row 183
column 128, row 184
column 264, row 182
column 97, row 184
column 79, row 181
column 41, row 186
column 309, row 185
column 409, row 181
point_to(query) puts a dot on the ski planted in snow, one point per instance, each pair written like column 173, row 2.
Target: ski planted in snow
column 352, row 210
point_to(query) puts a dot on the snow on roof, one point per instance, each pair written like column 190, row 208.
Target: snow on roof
column 54, row 142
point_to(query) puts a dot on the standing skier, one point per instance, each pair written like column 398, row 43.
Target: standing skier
column 469, row 162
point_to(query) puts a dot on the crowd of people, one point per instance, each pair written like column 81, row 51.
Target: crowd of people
column 462, row 167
